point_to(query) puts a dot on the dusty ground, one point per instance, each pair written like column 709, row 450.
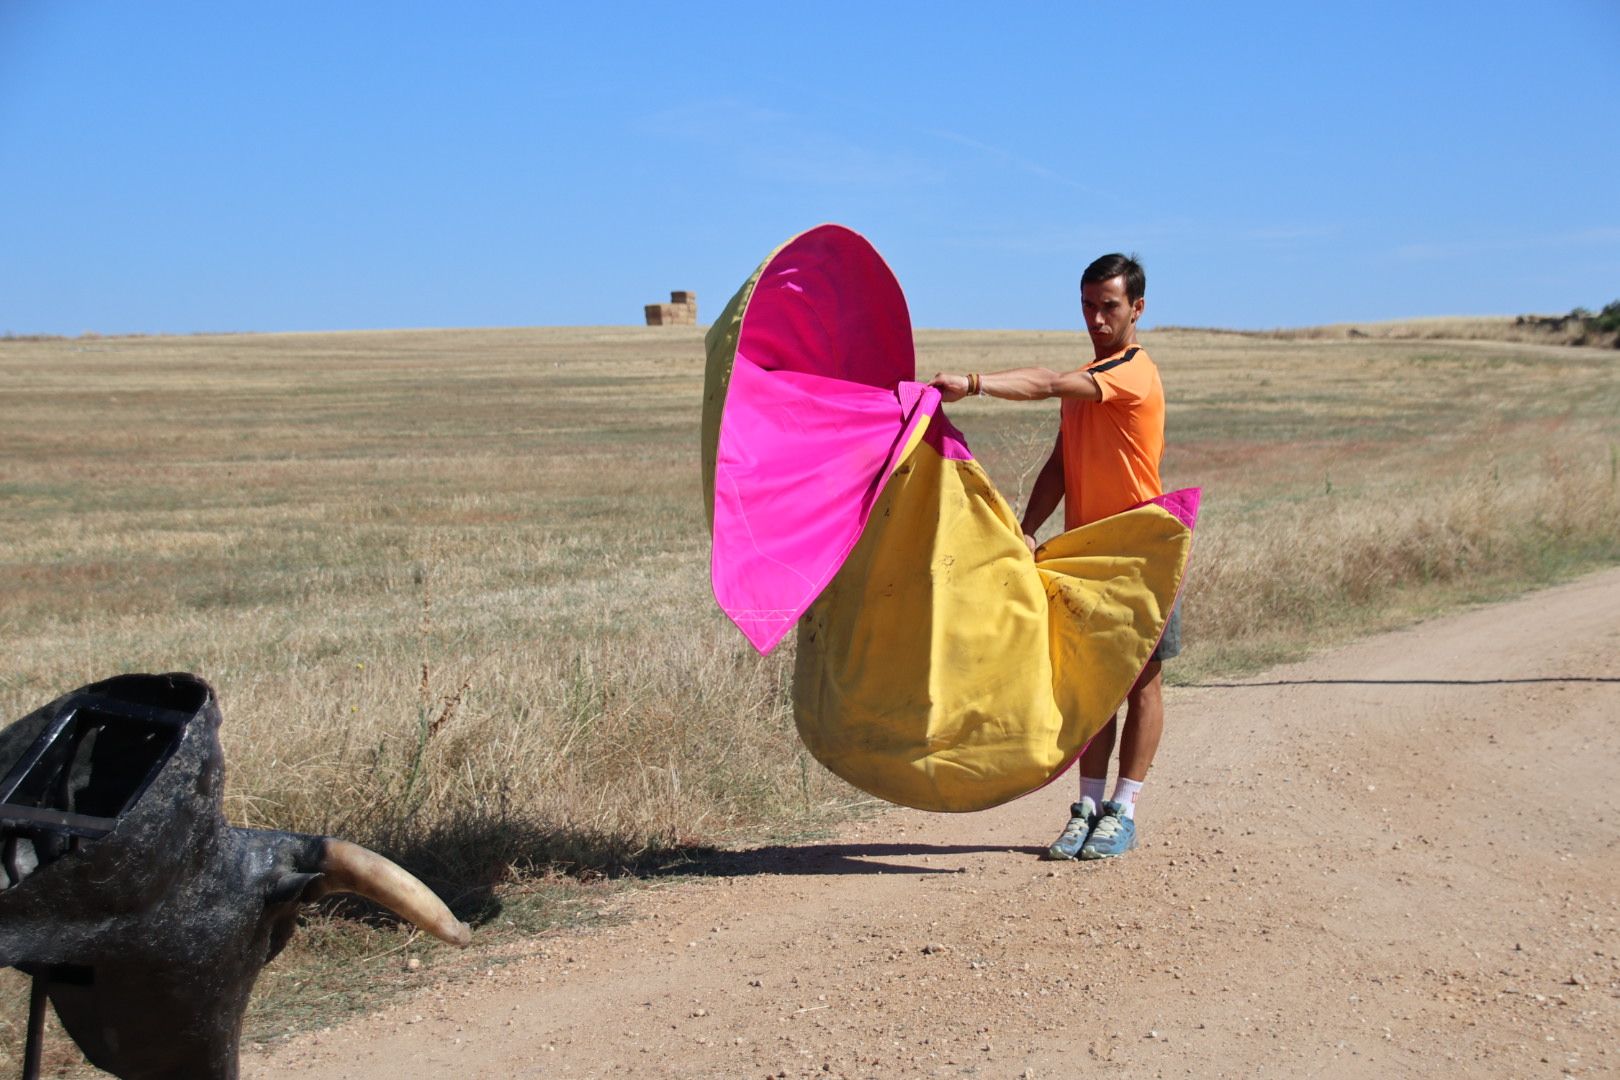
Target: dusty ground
column 1398, row 859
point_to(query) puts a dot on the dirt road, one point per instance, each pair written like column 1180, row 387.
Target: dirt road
column 1398, row 859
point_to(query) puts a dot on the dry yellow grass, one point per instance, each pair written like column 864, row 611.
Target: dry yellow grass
column 452, row 585
column 441, row 581
column 452, row 588
column 1523, row 329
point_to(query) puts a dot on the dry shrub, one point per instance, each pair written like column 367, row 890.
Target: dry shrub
column 1310, row 570
column 587, row 756
column 1569, row 329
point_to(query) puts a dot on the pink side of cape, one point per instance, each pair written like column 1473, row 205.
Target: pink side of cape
column 820, row 406
column 1183, row 504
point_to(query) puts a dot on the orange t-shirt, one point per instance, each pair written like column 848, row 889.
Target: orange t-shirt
column 1112, row 447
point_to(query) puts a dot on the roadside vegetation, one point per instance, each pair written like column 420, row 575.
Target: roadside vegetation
column 1580, row 327
column 451, row 586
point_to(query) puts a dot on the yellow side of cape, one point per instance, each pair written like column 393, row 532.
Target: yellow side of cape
column 945, row 668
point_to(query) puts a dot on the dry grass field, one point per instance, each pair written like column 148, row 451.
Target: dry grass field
column 452, row 588
column 1524, row 329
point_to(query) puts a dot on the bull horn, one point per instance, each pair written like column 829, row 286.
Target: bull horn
column 351, row 868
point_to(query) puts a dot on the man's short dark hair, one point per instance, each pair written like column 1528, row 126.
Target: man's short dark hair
column 1116, row 265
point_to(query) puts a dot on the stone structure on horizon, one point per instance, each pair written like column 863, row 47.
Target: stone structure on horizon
column 680, row 311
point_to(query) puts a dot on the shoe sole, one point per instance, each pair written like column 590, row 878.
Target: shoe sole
column 1093, row 855
column 1100, row 856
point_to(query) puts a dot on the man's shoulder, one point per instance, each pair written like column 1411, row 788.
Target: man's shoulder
column 1131, row 354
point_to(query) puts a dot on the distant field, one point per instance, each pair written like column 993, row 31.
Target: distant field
column 1523, row 329
column 314, row 521
column 452, row 585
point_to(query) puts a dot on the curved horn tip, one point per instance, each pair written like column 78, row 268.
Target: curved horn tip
column 348, row 867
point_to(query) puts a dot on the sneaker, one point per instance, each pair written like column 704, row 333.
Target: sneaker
column 1082, row 816
column 1113, row 835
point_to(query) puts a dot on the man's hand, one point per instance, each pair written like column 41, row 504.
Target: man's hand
column 1029, row 541
column 950, row 387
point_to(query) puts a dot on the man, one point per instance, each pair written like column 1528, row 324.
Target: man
column 1105, row 460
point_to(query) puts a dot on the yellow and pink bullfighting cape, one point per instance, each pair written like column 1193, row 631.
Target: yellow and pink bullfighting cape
column 939, row 664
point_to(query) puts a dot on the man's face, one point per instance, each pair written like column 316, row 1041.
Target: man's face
column 1110, row 316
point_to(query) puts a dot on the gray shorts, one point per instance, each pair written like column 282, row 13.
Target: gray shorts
column 1170, row 643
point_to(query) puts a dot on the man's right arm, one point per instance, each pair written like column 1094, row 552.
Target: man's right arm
column 1045, row 495
column 1020, row 384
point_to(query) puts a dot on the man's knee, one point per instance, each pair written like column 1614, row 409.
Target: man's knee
column 1148, row 678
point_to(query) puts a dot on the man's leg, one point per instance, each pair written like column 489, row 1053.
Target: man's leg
column 1094, row 758
column 1144, row 708
column 1094, row 764
column 1115, row 831
column 1144, row 725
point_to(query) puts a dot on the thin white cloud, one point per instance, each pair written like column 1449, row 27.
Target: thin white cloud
column 1022, row 164
column 780, row 147
column 1293, row 234
column 1436, row 251
column 714, row 122
column 1109, row 234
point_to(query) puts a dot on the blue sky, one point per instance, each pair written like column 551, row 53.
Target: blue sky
column 184, row 167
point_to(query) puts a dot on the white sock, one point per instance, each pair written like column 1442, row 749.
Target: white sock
column 1092, row 787
column 1125, row 792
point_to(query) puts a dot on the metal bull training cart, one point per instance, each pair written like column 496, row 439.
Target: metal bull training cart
column 74, row 780
column 141, row 915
